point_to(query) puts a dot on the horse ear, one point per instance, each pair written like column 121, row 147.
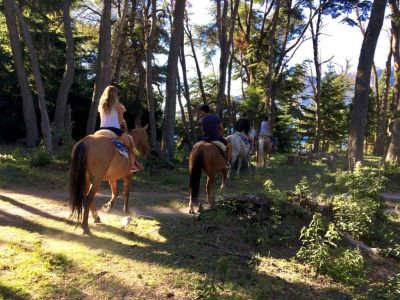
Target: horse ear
column 145, row 127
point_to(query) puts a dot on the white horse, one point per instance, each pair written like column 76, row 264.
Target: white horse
column 240, row 150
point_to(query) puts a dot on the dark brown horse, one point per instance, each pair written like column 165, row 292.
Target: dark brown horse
column 95, row 158
column 205, row 156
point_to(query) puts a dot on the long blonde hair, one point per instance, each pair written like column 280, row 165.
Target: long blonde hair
column 108, row 99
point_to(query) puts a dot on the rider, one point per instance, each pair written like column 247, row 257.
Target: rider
column 112, row 118
column 212, row 129
column 264, row 130
column 243, row 125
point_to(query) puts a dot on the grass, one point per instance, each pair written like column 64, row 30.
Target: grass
column 216, row 255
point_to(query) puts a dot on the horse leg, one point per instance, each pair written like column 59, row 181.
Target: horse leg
column 95, row 215
column 114, row 194
column 88, row 204
column 127, row 185
column 210, row 189
column 239, row 164
column 224, row 178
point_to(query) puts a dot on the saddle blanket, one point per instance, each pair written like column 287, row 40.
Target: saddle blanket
column 243, row 136
column 122, row 149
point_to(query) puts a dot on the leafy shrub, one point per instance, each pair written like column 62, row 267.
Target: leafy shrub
column 363, row 182
column 40, row 157
column 356, row 216
column 388, row 290
column 208, row 289
column 302, row 189
column 321, row 252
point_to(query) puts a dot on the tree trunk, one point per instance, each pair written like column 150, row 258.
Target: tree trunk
column 223, row 62
column 103, row 65
column 315, row 33
column 28, row 108
column 150, row 44
column 68, row 77
column 198, row 70
column 167, row 142
column 393, row 150
column 380, row 142
column 139, row 90
column 44, row 117
column 187, row 93
column 360, row 102
column 270, row 102
column 184, row 121
column 118, row 49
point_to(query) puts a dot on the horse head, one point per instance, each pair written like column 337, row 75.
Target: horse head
column 141, row 140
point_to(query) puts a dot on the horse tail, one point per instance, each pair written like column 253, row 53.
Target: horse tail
column 77, row 179
column 195, row 174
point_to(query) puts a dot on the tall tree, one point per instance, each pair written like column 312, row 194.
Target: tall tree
column 150, row 32
column 44, row 117
column 103, row 65
column 393, row 151
column 68, row 77
column 360, row 102
column 167, row 142
column 32, row 135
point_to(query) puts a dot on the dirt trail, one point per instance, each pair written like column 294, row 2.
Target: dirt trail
column 32, row 202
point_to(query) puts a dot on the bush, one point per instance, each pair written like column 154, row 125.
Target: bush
column 363, row 182
column 389, row 290
column 356, row 216
column 40, row 158
column 321, row 252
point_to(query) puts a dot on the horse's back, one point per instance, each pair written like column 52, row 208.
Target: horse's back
column 212, row 156
column 103, row 160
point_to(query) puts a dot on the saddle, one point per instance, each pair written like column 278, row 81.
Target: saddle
column 122, row 149
column 243, row 137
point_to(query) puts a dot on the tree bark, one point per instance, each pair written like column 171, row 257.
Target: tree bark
column 360, row 102
column 315, row 33
column 68, row 77
column 118, row 49
column 380, row 142
column 224, row 48
column 198, row 70
column 28, row 108
column 192, row 127
column 44, row 117
column 183, row 116
column 103, row 65
column 269, row 101
column 150, row 45
column 393, row 150
column 167, row 142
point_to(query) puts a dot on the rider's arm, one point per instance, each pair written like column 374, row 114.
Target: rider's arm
column 120, row 110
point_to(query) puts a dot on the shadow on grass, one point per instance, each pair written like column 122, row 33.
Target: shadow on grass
column 191, row 245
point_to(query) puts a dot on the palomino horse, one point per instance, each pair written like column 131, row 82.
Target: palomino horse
column 208, row 157
column 265, row 148
column 240, row 150
column 95, row 158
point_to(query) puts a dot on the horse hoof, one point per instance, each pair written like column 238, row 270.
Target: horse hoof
column 97, row 220
column 127, row 212
column 191, row 211
column 107, row 207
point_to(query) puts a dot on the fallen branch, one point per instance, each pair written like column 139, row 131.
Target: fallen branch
column 374, row 252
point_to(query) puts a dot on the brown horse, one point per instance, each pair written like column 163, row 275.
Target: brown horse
column 265, row 147
column 95, row 158
column 208, row 157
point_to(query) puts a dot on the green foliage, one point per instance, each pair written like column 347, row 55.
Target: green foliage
column 302, row 189
column 40, row 157
column 356, row 216
column 363, row 181
column 387, row 291
column 208, row 289
column 321, row 252
column 358, row 209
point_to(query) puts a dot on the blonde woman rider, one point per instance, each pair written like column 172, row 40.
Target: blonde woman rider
column 112, row 118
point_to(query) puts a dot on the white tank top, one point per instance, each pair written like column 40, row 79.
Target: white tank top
column 109, row 120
